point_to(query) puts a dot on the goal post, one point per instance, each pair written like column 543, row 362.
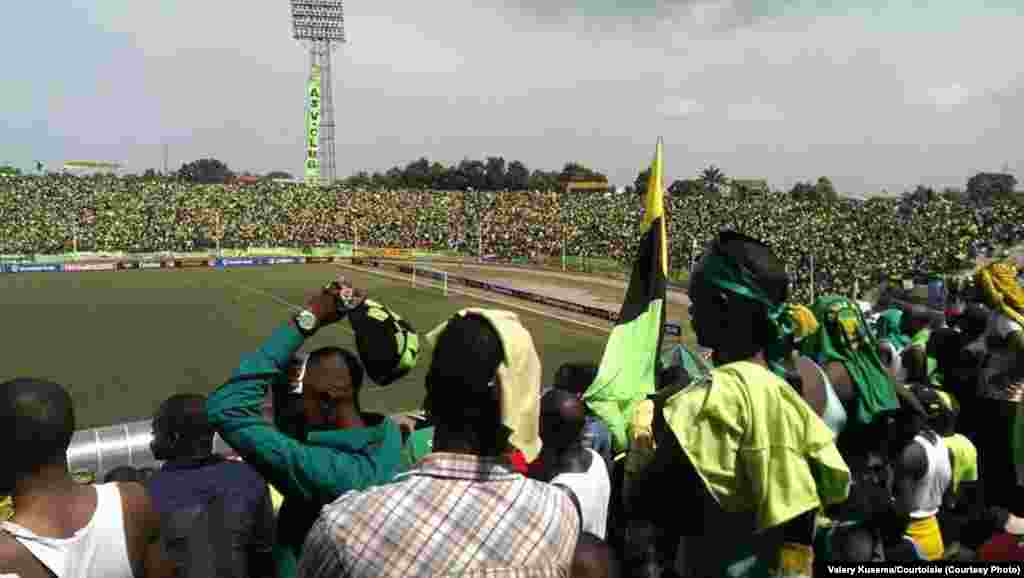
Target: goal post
column 429, row 277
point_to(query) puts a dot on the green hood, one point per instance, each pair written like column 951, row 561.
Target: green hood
column 887, row 328
column 843, row 337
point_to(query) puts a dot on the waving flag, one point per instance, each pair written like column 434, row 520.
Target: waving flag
column 627, row 371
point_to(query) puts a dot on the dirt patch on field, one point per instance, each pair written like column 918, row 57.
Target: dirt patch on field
column 590, row 323
column 584, row 289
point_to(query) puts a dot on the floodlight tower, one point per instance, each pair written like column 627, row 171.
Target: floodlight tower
column 319, row 25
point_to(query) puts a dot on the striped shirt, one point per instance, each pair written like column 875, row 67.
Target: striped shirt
column 451, row 515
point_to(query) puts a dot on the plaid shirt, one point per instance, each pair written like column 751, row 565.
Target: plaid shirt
column 451, row 515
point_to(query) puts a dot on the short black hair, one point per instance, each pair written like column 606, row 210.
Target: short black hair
column 37, row 417
column 355, row 368
column 461, row 381
column 575, row 377
column 563, row 417
column 973, row 321
column 941, row 417
column 944, row 346
column 185, row 414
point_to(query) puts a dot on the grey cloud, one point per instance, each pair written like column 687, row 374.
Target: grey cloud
column 415, row 81
column 708, row 16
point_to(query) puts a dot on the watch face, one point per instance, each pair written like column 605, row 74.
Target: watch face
column 347, row 297
column 307, row 321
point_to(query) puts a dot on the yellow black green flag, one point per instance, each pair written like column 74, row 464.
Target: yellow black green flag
column 627, row 371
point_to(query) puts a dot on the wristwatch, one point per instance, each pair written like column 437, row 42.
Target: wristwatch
column 306, row 322
column 345, row 299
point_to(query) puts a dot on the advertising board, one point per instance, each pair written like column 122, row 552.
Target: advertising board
column 283, row 260
column 188, row 263
column 33, row 268
column 238, row 262
column 79, row 267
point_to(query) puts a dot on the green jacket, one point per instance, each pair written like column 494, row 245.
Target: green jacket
column 310, row 472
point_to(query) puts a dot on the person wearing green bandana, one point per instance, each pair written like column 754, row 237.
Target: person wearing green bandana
column 848, row 352
column 749, row 461
column 892, row 342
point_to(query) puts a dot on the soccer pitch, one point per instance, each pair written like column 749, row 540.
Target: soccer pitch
column 122, row 342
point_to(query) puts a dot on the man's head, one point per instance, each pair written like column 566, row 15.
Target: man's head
column 37, row 419
column 897, row 428
column 575, row 377
column 944, row 346
column 941, row 410
column 562, row 417
column 180, row 428
column 734, row 325
column 463, row 397
column 333, row 379
column 973, row 321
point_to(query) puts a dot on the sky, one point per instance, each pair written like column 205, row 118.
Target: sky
column 878, row 96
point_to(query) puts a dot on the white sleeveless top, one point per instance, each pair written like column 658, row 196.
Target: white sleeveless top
column 895, row 360
column 593, row 489
column 98, row 550
column 928, row 491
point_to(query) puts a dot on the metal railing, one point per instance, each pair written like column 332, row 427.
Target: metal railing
column 100, row 450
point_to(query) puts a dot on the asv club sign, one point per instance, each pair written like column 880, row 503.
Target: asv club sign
column 313, row 125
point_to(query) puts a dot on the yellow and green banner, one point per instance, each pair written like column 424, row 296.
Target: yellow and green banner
column 313, row 126
column 629, row 365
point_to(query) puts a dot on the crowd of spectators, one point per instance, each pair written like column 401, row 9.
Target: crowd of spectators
column 853, row 243
column 793, row 447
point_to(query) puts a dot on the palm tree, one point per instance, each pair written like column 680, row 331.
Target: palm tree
column 713, row 178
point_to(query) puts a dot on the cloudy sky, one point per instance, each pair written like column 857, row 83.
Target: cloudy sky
column 874, row 94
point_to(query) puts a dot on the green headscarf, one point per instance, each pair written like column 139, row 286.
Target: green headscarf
column 723, row 272
column 842, row 326
column 887, row 328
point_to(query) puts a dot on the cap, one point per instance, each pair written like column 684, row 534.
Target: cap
column 387, row 344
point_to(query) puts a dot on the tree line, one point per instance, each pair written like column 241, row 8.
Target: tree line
column 496, row 174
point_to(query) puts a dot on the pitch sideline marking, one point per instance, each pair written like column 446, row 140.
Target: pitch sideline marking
column 482, row 298
column 280, row 301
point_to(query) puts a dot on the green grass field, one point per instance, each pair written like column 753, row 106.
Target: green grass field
column 122, row 342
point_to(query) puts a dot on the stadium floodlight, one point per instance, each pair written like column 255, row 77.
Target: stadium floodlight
column 322, row 20
column 319, row 24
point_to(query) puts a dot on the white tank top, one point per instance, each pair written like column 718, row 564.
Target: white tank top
column 895, row 360
column 593, row 489
column 928, row 491
column 98, row 550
